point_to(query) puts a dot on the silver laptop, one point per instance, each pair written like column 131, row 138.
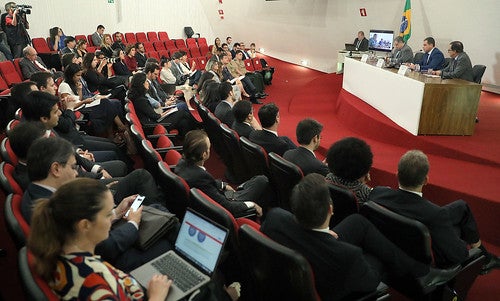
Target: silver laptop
column 198, row 248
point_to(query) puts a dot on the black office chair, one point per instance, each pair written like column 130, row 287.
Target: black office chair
column 284, row 176
column 237, row 170
column 176, row 190
column 255, row 157
column 344, row 203
column 477, row 73
column 414, row 239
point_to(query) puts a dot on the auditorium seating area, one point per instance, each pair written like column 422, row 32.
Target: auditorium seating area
column 236, row 159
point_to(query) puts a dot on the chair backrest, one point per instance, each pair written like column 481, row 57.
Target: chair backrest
column 148, row 46
column 204, row 50
column 238, row 168
column 9, row 184
column 163, row 36
column 153, row 54
column 191, row 42
column 256, row 64
column 172, row 157
column 81, row 37
column 4, row 87
column 18, row 67
column 89, row 41
column 7, row 153
column 130, row 38
column 35, row 287
column 284, row 176
column 152, row 36
column 278, row 273
column 170, row 45
column 202, row 41
column 9, row 73
column 176, row 188
column 344, row 203
column 141, row 37
column 477, row 73
column 249, row 65
column 159, row 45
column 255, row 157
column 418, row 57
column 201, row 62
column 180, row 43
column 40, row 45
column 16, row 224
column 150, row 156
column 195, row 51
column 410, row 235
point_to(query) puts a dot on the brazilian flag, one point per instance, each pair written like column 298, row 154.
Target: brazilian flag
column 405, row 27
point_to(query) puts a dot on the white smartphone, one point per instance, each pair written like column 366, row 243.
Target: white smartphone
column 136, row 204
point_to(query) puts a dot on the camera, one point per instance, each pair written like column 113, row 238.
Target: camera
column 24, row 8
column 112, row 60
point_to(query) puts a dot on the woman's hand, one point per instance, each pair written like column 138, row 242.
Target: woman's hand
column 158, row 287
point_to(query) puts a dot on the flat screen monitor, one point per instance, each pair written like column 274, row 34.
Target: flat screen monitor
column 381, row 40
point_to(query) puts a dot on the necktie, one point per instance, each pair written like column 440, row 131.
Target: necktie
column 453, row 65
column 39, row 66
column 358, row 43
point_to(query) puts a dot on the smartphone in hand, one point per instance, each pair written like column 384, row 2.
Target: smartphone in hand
column 136, row 204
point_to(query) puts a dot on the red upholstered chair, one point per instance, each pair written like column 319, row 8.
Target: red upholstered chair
column 81, row 37
column 180, row 43
column 277, row 272
column 201, row 62
column 163, row 36
column 159, row 45
column 4, row 87
column 177, row 196
column 163, row 53
column 237, row 170
column 41, row 46
column 18, row 67
column 191, row 42
column 7, row 180
column 284, row 176
column 9, row 73
column 13, row 123
column 148, row 46
column 170, row 45
column 34, row 286
column 16, row 224
column 249, row 65
column 195, row 52
column 153, row 54
column 202, row 42
column 91, row 49
column 141, row 37
column 89, row 41
column 7, row 152
column 130, row 38
column 204, row 50
column 256, row 64
column 152, row 36
column 255, row 157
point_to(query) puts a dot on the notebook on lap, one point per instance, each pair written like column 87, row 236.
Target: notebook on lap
column 198, row 248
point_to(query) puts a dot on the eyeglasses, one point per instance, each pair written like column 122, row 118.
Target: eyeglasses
column 449, row 50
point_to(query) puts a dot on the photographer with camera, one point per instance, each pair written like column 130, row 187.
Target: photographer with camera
column 15, row 24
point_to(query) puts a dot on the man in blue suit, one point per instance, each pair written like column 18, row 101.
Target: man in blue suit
column 433, row 57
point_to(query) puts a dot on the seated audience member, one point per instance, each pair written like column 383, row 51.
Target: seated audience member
column 351, row 258
column 70, row 58
column 452, row 227
column 118, row 44
column 31, row 63
column 204, row 77
column 93, row 69
column 401, row 53
column 81, row 48
column 130, row 60
column 166, row 74
column 140, row 55
column 98, row 35
column 21, row 137
column 244, row 121
column 217, row 44
column 309, row 137
column 156, row 95
column 245, row 84
column 106, row 46
column 52, row 163
column 103, row 116
column 119, row 66
column 70, row 45
column 215, row 69
column 433, row 57
column 349, row 161
column 179, row 119
column 229, row 42
column 66, row 230
column 223, row 111
column 252, row 52
column 18, row 95
column 56, row 39
column 268, row 138
column 237, row 68
column 196, row 151
column 236, row 47
column 211, row 96
column 360, row 42
column 214, row 58
column 460, row 65
column 194, row 75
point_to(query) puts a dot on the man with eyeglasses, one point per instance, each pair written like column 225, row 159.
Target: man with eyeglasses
column 460, row 65
column 401, row 53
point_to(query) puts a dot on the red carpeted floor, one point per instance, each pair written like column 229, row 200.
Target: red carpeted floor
column 466, row 167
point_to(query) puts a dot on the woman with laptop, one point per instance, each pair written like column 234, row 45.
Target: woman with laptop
column 64, row 232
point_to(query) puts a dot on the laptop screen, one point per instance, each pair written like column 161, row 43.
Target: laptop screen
column 201, row 241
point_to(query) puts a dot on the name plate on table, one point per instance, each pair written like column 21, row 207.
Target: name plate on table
column 402, row 70
column 364, row 58
column 380, row 63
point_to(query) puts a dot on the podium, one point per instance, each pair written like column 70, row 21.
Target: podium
column 420, row 104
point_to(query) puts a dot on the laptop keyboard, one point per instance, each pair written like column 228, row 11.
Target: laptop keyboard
column 183, row 275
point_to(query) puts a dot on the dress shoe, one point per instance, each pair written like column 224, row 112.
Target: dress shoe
column 437, row 277
column 260, row 95
column 265, row 94
column 493, row 263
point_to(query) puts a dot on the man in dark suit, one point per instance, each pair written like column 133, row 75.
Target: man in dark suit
column 351, row 258
column 268, row 137
column 51, row 163
column 223, row 110
column 452, row 227
column 118, row 44
column 70, row 43
column 196, row 150
column 244, row 121
column 98, row 35
column 309, row 136
column 360, row 42
column 401, row 53
column 460, row 65
column 31, row 63
column 433, row 58
column 140, row 56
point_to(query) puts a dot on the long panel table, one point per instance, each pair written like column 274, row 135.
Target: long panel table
column 422, row 105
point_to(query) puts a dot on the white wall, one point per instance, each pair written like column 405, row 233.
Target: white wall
column 316, row 29
column 288, row 29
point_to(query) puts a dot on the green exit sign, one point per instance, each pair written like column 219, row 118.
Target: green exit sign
column 111, row 1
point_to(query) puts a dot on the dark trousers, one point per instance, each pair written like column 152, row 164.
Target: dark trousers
column 252, row 190
column 139, row 181
column 359, row 231
column 463, row 221
column 257, row 80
